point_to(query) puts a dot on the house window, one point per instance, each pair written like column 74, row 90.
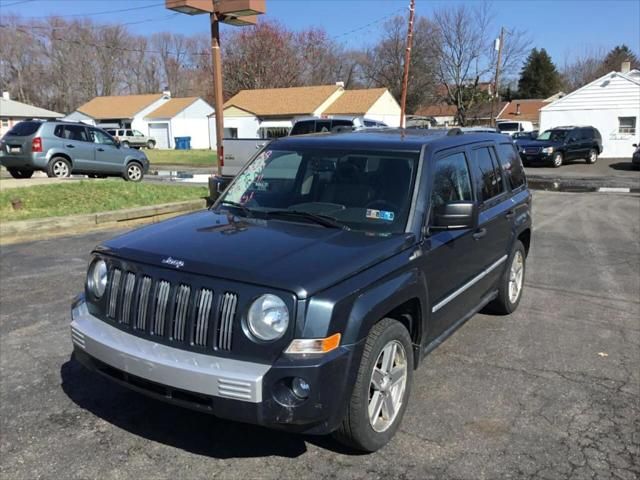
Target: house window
column 5, row 122
column 627, row 125
column 230, row 133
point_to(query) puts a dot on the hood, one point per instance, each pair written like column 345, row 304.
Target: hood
column 537, row 143
column 301, row 258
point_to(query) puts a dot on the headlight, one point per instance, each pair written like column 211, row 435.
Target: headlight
column 268, row 318
column 547, row 150
column 97, row 278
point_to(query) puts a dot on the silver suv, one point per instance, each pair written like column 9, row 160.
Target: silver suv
column 132, row 138
column 62, row 148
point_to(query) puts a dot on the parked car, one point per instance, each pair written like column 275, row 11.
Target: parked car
column 340, row 262
column 132, row 138
column 532, row 135
column 62, row 148
column 306, row 125
column 635, row 158
column 511, row 127
column 560, row 144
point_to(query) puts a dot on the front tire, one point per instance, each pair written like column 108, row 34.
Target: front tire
column 134, row 172
column 59, row 168
column 511, row 282
column 124, row 144
column 592, row 157
column 18, row 173
column 382, row 388
column 151, row 144
column 558, row 160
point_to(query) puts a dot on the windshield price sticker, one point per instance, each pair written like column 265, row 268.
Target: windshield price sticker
column 380, row 215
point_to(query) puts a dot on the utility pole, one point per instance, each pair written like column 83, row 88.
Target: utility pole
column 407, row 60
column 497, row 80
column 218, row 101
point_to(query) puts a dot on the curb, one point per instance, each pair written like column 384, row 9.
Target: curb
column 77, row 222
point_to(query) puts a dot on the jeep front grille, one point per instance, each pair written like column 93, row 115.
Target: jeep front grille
column 176, row 312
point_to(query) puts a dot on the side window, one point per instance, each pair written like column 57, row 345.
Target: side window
column 488, row 177
column 59, row 131
column 451, row 182
column 323, row 126
column 75, row 132
column 128, row 133
column 511, row 165
column 100, row 137
column 585, row 134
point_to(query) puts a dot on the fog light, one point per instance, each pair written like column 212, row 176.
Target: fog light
column 300, row 387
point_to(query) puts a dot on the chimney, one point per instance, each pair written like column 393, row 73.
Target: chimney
column 625, row 67
column 518, row 109
column 340, row 84
column 6, row 95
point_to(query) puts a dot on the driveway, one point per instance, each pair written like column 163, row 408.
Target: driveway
column 551, row 392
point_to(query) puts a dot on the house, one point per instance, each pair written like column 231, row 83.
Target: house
column 525, row 110
column 481, row 113
column 373, row 103
column 443, row 114
column 611, row 104
column 157, row 115
column 180, row 117
column 12, row 112
column 271, row 112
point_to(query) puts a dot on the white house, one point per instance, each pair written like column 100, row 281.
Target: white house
column 157, row 115
column 180, row 117
column 271, row 112
column 12, row 112
column 611, row 104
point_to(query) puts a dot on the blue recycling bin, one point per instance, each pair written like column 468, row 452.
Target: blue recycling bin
column 183, row 143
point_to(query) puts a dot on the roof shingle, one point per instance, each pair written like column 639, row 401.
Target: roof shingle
column 355, row 102
column 11, row 108
column 117, row 106
column 529, row 110
column 171, row 108
column 282, row 101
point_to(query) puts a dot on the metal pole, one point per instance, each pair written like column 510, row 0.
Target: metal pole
column 218, row 101
column 407, row 60
column 497, row 80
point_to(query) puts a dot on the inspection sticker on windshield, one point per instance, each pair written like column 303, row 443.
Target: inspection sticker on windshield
column 380, row 215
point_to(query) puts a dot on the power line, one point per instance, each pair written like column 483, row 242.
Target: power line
column 104, row 12
column 15, row 3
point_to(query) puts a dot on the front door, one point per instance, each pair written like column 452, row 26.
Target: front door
column 450, row 257
column 108, row 156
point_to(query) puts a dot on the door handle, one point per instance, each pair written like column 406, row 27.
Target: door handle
column 101, row 149
column 478, row 234
column 70, row 146
column 510, row 214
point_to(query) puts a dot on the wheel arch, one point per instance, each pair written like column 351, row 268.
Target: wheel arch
column 57, row 154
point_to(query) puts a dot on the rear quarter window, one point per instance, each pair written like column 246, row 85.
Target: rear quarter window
column 24, row 129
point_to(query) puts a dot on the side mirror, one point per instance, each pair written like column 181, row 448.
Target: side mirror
column 455, row 216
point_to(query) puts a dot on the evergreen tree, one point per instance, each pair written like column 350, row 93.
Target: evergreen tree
column 613, row 61
column 538, row 77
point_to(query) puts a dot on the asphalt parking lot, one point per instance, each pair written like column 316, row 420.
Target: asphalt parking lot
column 550, row 392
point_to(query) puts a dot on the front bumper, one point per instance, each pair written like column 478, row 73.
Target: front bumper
column 233, row 389
column 536, row 157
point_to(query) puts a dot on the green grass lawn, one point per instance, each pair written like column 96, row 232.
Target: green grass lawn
column 73, row 198
column 196, row 158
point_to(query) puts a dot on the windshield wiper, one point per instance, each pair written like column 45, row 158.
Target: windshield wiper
column 246, row 210
column 323, row 220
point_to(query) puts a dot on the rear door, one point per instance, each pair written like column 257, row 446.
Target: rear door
column 497, row 209
column 108, row 156
column 449, row 258
column 77, row 144
column 574, row 144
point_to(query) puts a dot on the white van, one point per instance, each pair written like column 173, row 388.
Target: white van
column 514, row 126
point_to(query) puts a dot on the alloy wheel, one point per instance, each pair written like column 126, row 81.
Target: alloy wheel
column 134, row 173
column 60, row 169
column 516, row 276
column 387, row 386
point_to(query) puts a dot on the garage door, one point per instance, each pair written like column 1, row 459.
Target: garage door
column 160, row 131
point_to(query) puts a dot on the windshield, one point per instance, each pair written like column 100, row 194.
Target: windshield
column 508, row 126
column 360, row 190
column 553, row 135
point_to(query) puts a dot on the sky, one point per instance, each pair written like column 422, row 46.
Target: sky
column 565, row 28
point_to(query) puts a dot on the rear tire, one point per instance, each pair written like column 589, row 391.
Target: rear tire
column 557, row 160
column 124, row 144
column 592, row 157
column 18, row 173
column 134, row 172
column 59, row 168
column 511, row 282
column 382, row 388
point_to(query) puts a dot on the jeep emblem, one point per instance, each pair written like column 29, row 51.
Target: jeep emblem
column 173, row 262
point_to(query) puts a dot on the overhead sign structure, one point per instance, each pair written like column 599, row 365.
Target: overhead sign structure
column 232, row 12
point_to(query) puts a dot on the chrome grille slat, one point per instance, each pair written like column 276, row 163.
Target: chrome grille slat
column 127, row 297
column 162, row 298
column 181, row 308
column 227, row 313
column 205, row 299
column 115, row 290
column 143, row 304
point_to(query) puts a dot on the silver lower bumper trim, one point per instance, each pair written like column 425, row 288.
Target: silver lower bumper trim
column 195, row 372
